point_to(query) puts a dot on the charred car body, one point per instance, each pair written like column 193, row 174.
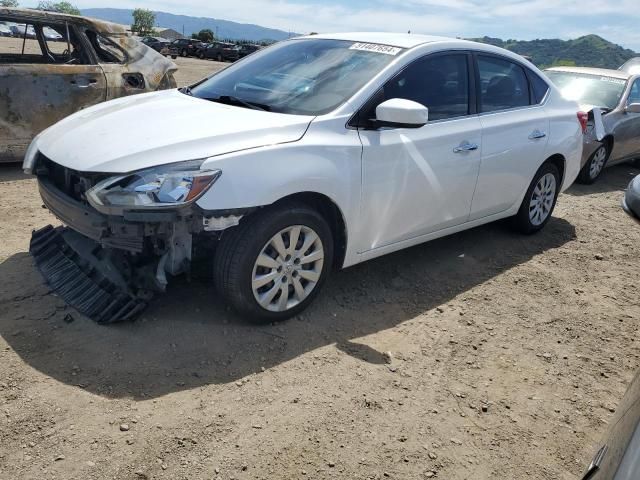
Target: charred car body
column 612, row 100
column 66, row 64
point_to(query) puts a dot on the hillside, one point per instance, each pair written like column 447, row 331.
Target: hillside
column 180, row 23
column 587, row 51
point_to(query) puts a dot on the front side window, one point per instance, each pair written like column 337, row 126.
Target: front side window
column 440, row 83
column 503, row 84
column 304, row 77
column 634, row 94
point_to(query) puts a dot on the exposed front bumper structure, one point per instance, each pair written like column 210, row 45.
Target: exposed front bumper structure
column 71, row 265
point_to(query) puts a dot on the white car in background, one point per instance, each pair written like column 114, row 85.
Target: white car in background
column 316, row 153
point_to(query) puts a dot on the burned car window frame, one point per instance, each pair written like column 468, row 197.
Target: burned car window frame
column 88, row 33
column 67, row 30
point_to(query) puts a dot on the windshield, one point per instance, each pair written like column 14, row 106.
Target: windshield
column 305, row 77
column 597, row 90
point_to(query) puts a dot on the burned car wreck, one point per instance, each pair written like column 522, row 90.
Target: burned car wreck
column 56, row 64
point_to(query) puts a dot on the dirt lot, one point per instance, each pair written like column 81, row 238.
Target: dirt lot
column 484, row 355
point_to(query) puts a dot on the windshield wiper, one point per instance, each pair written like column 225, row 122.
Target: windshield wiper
column 229, row 100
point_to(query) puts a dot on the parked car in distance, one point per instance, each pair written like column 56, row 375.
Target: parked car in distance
column 5, row 31
column 185, row 47
column 22, row 30
column 631, row 66
column 222, row 52
column 631, row 201
column 247, row 49
column 316, row 153
column 618, row 455
column 160, row 45
column 613, row 133
column 71, row 63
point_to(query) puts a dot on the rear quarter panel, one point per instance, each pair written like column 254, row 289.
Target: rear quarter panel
column 565, row 135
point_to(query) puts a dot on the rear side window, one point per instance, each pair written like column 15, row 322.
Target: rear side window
column 539, row 87
column 503, row 84
column 106, row 50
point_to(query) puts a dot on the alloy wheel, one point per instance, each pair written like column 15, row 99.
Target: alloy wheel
column 542, row 199
column 597, row 162
column 288, row 268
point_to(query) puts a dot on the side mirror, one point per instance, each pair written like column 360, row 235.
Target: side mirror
column 401, row 113
column 633, row 108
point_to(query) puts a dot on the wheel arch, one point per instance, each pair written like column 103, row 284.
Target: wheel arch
column 560, row 162
column 333, row 215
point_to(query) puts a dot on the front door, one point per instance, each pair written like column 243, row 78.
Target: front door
column 627, row 129
column 418, row 181
column 43, row 78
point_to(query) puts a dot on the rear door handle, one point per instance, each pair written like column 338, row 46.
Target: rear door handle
column 536, row 134
column 465, row 147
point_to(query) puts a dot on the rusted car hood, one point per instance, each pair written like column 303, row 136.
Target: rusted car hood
column 152, row 129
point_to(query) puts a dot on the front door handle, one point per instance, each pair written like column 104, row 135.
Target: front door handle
column 465, row 147
column 536, row 134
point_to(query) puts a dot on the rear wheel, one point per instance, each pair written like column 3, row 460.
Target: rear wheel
column 183, row 52
column 272, row 266
column 594, row 166
column 539, row 201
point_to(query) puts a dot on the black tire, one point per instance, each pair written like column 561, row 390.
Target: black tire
column 522, row 221
column 240, row 246
column 183, row 52
column 585, row 177
column 174, row 56
column 201, row 56
column 220, row 59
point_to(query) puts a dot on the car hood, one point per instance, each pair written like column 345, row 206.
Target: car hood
column 153, row 129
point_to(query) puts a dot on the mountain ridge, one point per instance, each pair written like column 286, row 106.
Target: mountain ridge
column 586, row 51
column 191, row 24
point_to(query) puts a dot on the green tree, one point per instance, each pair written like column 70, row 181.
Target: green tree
column 205, row 35
column 143, row 22
column 8, row 3
column 59, row 7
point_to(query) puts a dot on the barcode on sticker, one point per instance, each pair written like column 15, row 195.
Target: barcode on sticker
column 619, row 81
column 375, row 47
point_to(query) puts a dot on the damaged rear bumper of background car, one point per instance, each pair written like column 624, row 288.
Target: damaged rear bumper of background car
column 109, row 266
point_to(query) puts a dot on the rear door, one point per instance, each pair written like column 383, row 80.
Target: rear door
column 515, row 131
column 43, row 80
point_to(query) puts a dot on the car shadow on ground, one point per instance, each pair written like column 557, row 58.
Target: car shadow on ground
column 10, row 172
column 611, row 179
column 187, row 338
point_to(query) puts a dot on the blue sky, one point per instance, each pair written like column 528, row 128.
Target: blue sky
column 521, row 19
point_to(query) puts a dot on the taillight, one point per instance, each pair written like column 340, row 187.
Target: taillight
column 583, row 118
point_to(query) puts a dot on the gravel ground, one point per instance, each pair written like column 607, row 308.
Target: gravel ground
column 483, row 355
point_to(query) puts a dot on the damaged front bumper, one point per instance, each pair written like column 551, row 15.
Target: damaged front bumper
column 108, row 267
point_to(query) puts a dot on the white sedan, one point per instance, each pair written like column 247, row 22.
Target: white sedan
column 314, row 154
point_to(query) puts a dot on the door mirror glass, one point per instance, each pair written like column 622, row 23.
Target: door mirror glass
column 401, row 113
column 633, row 108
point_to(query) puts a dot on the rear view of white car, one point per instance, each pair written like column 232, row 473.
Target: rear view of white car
column 314, row 154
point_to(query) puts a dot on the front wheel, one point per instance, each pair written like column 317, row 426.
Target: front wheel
column 594, row 166
column 539, row 201
column 273, row 264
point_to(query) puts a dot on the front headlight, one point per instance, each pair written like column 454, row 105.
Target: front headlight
column 167, row 186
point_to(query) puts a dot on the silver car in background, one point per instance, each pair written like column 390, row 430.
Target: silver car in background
column 612, row 100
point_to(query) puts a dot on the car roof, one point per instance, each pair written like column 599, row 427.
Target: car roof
column 402, row 40
column 26, row 14
column 599, row 72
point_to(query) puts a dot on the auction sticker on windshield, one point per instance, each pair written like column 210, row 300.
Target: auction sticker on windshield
column 375, row 47
column 613, row 80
